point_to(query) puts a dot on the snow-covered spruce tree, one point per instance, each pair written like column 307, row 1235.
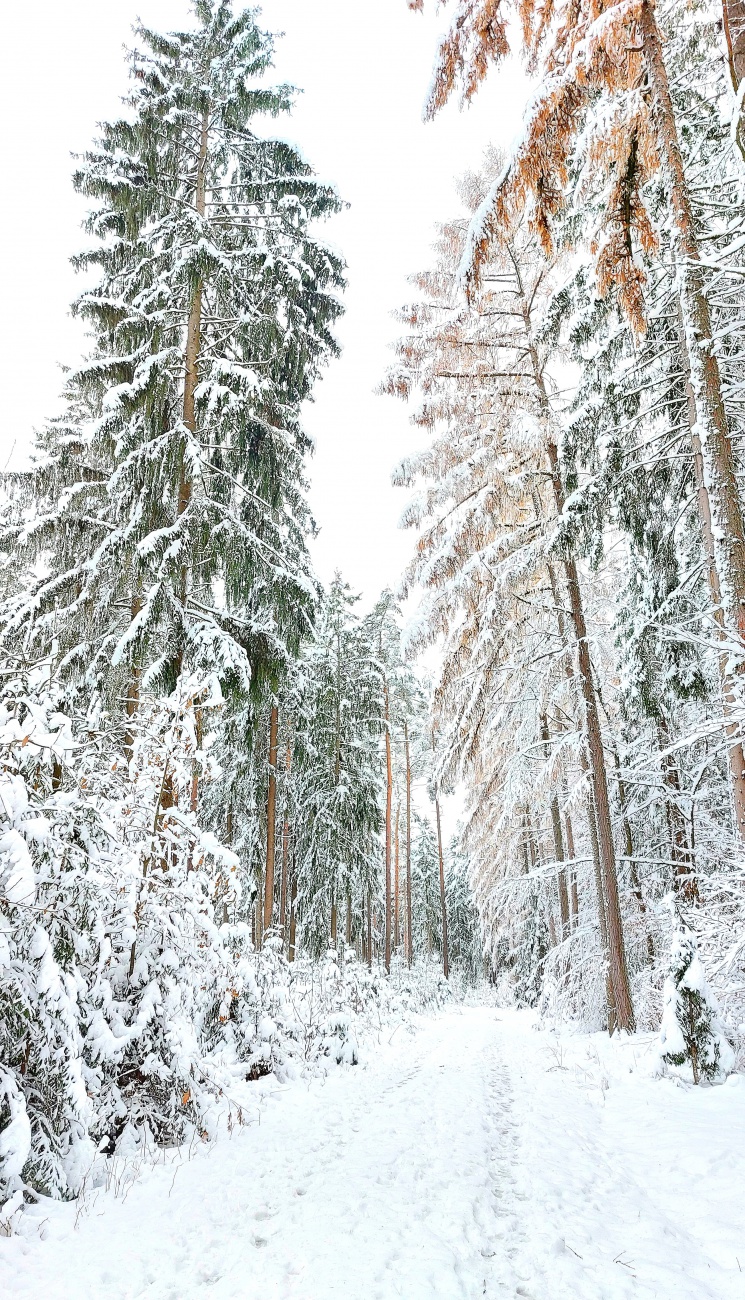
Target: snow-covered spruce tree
column 463, row 922
column 337, row 776
column 692, row 1035
column 605, row 86
column 210, row 320
column 425, row 876
column 161, row 535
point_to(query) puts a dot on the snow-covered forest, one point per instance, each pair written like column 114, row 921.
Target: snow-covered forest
column 253, row 824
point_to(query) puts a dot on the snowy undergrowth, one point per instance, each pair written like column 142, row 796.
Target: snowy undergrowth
column 298, row 1022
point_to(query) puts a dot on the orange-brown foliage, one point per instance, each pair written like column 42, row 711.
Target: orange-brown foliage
column 585, row 50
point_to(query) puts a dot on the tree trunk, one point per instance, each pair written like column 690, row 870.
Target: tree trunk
column 293, row 917
column 409, row 929
column 728, row 530
column 285, row 855
column 229, row 842
column 527, row 855
column 199, row 731
column 535, row 856
column 703, row 505
column 619, row 976
column 396, row 882
column 369, row 931
column 283, row 880
column 574, row 895
column 133, row 690
column 388, row 795
column 558, row 841
column 257, row 919
column 271, row 819
column 333, row 924
column 348, row 928
column 193, row 338
column 636, row 883
column 550, row 919
column 602, row 912
column 733, row 16
column 616, row 947
column 733, row 20
column 684, row 879
column 443, row 902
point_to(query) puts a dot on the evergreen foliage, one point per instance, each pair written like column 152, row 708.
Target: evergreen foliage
column 692, row 1033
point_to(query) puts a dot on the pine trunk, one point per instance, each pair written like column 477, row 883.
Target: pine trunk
column 388, row 797
column 285, row 858
column 409, row 929
column 271, row 819
column 618, row 969
column 396, row 882
column 369, row 931
column 733, row 20
column 616, row 947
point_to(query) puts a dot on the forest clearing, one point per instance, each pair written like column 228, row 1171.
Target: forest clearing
column 372, row 652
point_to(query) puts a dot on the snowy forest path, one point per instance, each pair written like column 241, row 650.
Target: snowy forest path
column 473, row 1158
column 377, row 1182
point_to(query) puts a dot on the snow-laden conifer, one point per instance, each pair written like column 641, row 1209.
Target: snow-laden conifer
column 337, row 768
column 692, row 1035
column 210, row 316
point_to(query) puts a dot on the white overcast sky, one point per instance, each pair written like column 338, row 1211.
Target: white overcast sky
column 364, row 69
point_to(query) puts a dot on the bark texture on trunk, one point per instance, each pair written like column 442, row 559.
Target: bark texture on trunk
column 733, row 17
column 271, row 819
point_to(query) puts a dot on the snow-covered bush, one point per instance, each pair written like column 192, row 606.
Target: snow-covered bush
column 52, row 886
column 692, row 1037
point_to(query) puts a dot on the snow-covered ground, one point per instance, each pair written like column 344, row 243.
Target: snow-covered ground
column 475, row 1157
